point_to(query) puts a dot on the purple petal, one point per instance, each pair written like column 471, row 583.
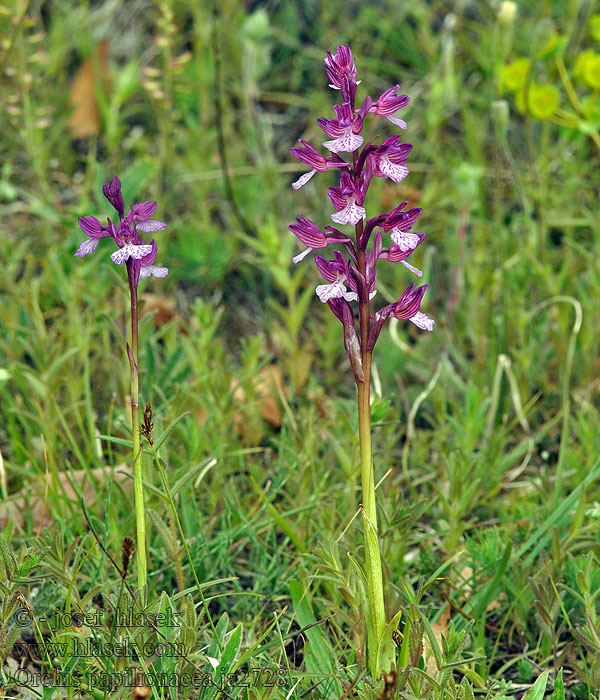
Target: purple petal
column 112, row 192
column 142, row 211
column 331, row 127
column 338, row 200
column 92, row 227
column 401, row 219
column 150, row 257
column 310, row 156
column 327, row 269
column 410, row 301
column 308, row 233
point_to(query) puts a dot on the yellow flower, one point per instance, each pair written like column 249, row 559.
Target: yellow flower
column 514, row 75
column 595, row 27
column 543, row 100
column 587, row 68
column 591, row 71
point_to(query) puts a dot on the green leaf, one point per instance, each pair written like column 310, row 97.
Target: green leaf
column 116, row 440
column 486, row 595
column 433, row 642
column 198, row 471
column 226, row 660
column 559, row 518
column 319, row 658
column 559, row 687
column 555, row 46
column 159, row 441
column 164, row 533
column 386, row 642
column 587, row 127
column 230, row 652
column 8, row 560
column 537, row 691
column 127, row 84
column 595, row 27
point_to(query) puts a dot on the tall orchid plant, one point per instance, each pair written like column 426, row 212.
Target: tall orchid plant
column 350, row 277
column 139, row 258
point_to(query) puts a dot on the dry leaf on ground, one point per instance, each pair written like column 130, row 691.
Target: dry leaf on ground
column 33, row 501
column 85, row 118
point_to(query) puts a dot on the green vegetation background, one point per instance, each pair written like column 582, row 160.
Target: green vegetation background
column 487, row 431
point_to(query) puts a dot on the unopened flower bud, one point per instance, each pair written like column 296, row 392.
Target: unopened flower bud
column 507, row 13
column 500, row 117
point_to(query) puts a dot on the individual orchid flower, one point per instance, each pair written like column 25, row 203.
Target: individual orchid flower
column 308, row 154
column 345, row 130
column 410, row 302
column 312, row 236
column 95, row 231
column 341, row 65
column 390, row 159
column 129, row 246
column 399, row 224
column 347, row 200
column 139, row 218
column 408, row 307
column 341, row 70
column 140, row 215
column 336, row 273
column 388, row 104
column 145, row 267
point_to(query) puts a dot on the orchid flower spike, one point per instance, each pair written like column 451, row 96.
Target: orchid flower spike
column 125, row 233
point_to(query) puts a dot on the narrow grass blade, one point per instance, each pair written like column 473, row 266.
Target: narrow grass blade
column 558, row 518
column 320, row 661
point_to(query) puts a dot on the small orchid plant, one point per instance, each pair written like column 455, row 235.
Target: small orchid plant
column 139, row 258
column 351, row 276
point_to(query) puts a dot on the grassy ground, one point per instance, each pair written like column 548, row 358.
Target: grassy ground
column 486, row 431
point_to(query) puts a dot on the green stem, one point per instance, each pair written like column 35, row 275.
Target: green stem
column 138, row 484
column 377, row 659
